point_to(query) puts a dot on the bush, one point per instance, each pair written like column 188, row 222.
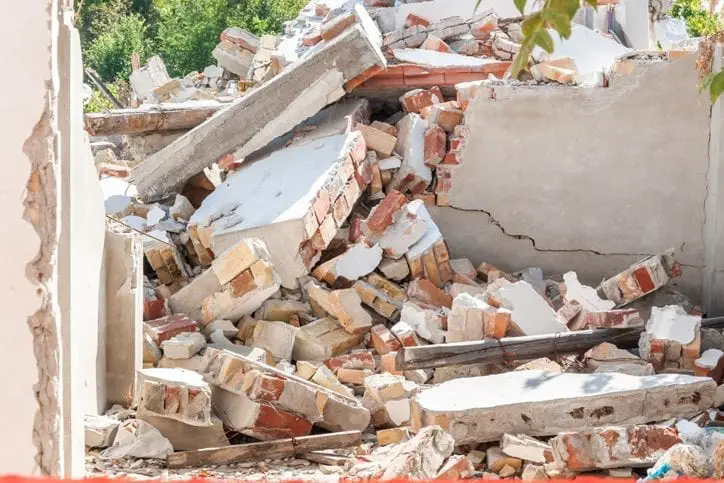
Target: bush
column 699, row 22
column 110, row 52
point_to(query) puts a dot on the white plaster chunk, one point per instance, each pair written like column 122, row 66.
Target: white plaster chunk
column 184, row 345
column 399, row 411
column 709, row 359
column 623, row 368
column 358, row 261
column 431, row 235
column 592, row 52
column 155, row 215
column 540, row 403
column 182, row 208
column 118, row 205
column 138, row 439
column 407, row 229
column 432, row 58
column 100, row 431
column 135, row 222
column 393, row 162
column 672, row 323
column 525, row 448
column 427, row 323
column 276, row 337
column 396, row 270
column 585, row 295
column 411, row 148
column 531, row 314
column 227, row 327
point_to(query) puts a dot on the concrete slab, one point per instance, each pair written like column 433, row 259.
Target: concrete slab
column 298, row 92
column 540, row 403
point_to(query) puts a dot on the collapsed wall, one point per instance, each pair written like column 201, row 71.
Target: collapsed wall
column 585, row 179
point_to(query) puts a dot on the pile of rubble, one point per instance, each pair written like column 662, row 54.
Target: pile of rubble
column 299, row 294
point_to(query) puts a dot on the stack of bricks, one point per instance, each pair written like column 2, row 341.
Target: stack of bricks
column 165, row 259
column 641, row 278
column 237, row 283
column 175, row 394
column 235, row 52
column 335, row 201
column 672, row 339
column 261, row 401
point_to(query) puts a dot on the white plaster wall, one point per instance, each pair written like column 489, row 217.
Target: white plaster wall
column 25, row 50
column 619, row 172
column 633, row 17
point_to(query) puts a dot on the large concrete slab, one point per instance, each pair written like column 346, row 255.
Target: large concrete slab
column 540, row 403
column 298, row 92
column 283, row 200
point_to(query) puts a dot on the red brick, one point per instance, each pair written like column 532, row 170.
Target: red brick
column 413, row 20
column 435, row 145
column 312, row 39
column 167, row 327
column 415, row 101
column 243, row 283
column 275, row 423
column 387, row 364
column 365, row 76
column 381, row 218
column 355, row 229
column 321, row 205
column 643, row 277
column 359, row 360
column 435, row 43
column 337, row 25
column 426, row 292
column 266, row 388
column 382, row 340
column 153, row 309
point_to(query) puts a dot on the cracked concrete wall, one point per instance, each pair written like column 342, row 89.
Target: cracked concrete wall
column 585, row 179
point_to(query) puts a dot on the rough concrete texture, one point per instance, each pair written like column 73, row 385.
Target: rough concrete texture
column 297, row 93
column 543, row 192
column 540, row 403
column 280, row 210
column 123, row 265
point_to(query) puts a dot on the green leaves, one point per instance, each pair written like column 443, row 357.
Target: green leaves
column 714, row 83
column 520, row 5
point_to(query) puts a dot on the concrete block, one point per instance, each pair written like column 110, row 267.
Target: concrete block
column 538, row 403
column 100, row 431
column 526, row 448
column 396, row 270
column 322, row 339
column 175, row 394
column 184, row 345
column 276, row 337
column 299, row 208
column 530, row 313
column 613, row 447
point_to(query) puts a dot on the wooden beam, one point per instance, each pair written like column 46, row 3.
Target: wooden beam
column 280, row 448
column 164, row 117
column 264, row 113
column 520, row 348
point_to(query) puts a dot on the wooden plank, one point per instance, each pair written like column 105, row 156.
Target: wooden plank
column 326, row 458
column 164, row 117
column 520, row 348
column 280, row 448
column 265, row 113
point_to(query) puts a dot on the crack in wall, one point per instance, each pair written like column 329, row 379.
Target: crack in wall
column 533, row 242
column 40, row 210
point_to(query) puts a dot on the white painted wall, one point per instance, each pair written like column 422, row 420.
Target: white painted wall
column 25, row 50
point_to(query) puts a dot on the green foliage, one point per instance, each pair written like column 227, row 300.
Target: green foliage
column 699, row 22
column 98, row 102
column 110, row 52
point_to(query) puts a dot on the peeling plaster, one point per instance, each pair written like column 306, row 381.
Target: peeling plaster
column 41, row 212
